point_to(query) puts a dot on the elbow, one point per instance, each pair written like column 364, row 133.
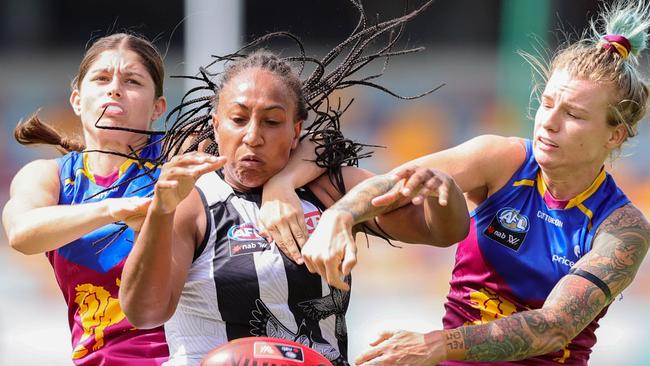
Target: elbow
column 451, row 234
column 142, row 314
column 144, row 318
column 20, row 243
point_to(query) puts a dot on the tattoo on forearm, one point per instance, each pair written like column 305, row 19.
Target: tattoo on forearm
column 454, row 340
column 357, row 201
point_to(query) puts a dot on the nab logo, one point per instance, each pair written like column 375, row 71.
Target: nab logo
column 508, row 227
column 512, row 220
column 245, row 239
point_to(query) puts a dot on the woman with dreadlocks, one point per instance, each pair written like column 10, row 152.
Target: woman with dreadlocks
column 553, row 240
column 81, row 209
column 199, row 264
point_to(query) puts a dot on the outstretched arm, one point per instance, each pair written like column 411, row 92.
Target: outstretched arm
column 330, row 251
column 618, row 250
column 36, row 223
column 156, row 269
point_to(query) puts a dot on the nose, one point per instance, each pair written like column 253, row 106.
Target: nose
column 114, row 89
column 549, row 119
column 253, row 135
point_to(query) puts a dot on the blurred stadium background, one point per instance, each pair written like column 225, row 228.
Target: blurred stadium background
column 471, row 48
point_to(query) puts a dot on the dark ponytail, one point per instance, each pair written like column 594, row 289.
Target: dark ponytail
column 33, row 131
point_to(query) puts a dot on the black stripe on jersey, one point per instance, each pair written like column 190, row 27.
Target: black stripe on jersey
column 307, row 194
column 208, row 224
column 235, row 278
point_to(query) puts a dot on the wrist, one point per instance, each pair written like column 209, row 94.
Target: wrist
column 158, row 208
column 453, row 343
column 282, row 180
column 339, row 214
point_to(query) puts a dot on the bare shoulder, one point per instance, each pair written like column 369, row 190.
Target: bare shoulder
column 42, row 174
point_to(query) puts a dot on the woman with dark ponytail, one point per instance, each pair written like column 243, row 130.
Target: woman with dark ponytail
column 82, row 209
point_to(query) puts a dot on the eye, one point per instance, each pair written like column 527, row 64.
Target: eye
column 133, row 81
column 272, row 122
column 238, row 120
column 101, row 78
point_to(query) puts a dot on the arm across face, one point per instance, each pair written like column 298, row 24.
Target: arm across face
column 331, row 250
column 156, row 269
column 281, row 216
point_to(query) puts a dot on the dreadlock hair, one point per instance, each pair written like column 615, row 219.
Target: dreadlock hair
column 191, row 118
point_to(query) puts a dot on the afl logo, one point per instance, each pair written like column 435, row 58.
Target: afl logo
column 244, row 232
column 511, row 219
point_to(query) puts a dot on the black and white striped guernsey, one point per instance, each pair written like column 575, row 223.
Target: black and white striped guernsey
column 239, row 285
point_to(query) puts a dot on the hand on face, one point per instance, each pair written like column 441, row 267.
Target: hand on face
column 282, row 219
column 402, row 348
column 331, row 250
column 419, row 184
column 178, row 177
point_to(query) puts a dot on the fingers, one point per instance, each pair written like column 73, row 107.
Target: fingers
column 350, row 259
column 285, row 241
column 368, row 356
column 374, row 353
column 382, row 337
column 386, row 198
column 197, row 163
column 299, row 230
column 334, row 276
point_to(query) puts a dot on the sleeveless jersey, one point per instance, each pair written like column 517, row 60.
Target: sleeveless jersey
column 239, row 285
column 518, row 248
column 88, row 270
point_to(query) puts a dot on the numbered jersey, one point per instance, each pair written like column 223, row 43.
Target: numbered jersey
column 88, row 270
column 240, row 285
column 521, row 242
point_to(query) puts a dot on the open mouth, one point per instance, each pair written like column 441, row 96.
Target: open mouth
column 547, row 142
column 112, row 109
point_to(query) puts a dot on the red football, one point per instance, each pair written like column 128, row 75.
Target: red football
column 265, row 350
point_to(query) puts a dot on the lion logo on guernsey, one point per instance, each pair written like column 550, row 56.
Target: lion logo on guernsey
column 508, row 227
column 97, row 311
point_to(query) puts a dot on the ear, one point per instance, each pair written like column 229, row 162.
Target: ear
column 617, row 137
column 159, row 107
column 75, row 102
column 215, row 125
column 297, row 128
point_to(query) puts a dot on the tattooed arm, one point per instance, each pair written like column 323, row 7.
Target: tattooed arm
column 438, row 217
column 619, row 248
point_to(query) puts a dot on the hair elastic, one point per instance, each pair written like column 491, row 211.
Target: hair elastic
column 616, row 43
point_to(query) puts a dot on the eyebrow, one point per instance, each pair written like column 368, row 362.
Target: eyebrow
column 268, row 108
column 569, row 105
column 109, row 69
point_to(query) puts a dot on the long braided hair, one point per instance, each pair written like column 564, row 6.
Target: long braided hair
column 191, row 127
